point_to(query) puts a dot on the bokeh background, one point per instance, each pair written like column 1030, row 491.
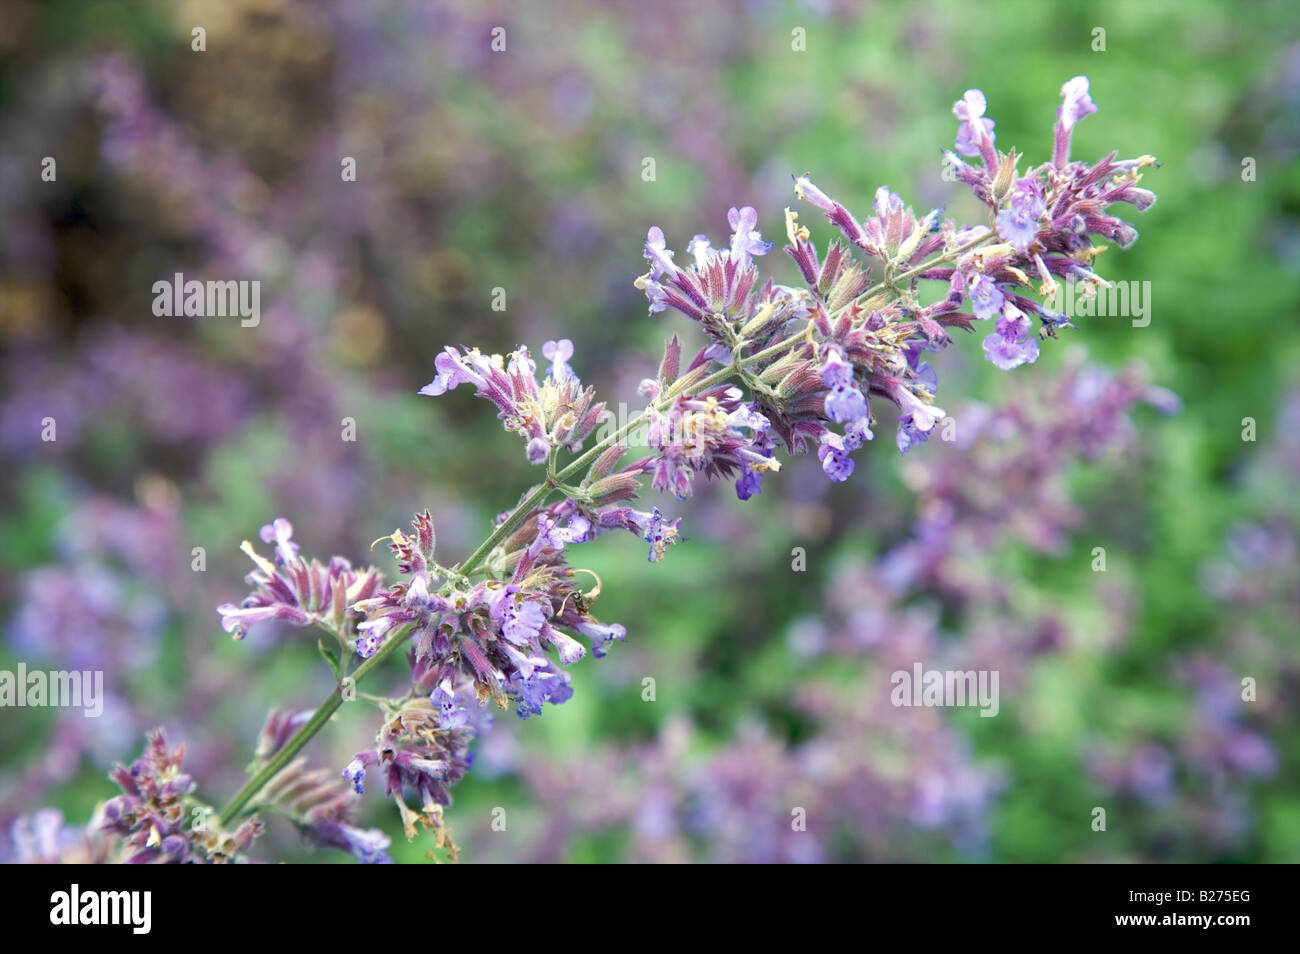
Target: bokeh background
column 522, row 170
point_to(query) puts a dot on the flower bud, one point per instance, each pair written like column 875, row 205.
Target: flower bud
column 1006, row 176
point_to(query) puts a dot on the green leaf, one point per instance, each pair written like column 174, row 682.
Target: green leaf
column 330, row 654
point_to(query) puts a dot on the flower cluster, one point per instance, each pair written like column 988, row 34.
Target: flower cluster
column 863, row 342
column 319, row 804
column 159, row 820
column 298, row 591
column 798, row 368
column 424, row 746
column 558, row 412
column 495, row 633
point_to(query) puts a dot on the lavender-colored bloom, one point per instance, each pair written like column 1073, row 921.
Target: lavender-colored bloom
column 1017, row 227
column 916, row 412
column 559, row 353
column 1077, row 102
column 745, row 240
column 657, row 296
column 237, row 620
column 1013, row 323
column 367, row 644
column 601, row 635
column 846, row 403
column 835, row 458
column 551, row 534
column 749, row 483
column 537, row 450
column 520, row 620
column 856, row 432
column 748, row 416
column 909, row 435
column 985, row 296
column 1018, row 223
column 452, row 714
column 658, row 254
column 700, row 250
column 805, row 190
column 1007, row 353
column 658, row 532
column 355, row 773
column 1011, row 346
column 974, row 130
column 280, row 531
column 543, row 684
column 368, row 845
column 927, row 377
column 452, row 372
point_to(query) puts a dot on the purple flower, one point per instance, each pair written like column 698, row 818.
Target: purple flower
column 974, row 129
column 658, row 254
column 835, row 459
column 1011, row 347
column 657, row 532
column 559, row 353
column 541, row 685
column 452, row 371
column 915, row 411
column 805, row 190
column 1008, row 353
column 745, row 240
column 700, row 250
column 749, row 483
column 748, row 416
column 845, row 401
column 280, row 531
column 368, row 845
column 927, row 377
column 520, row 620
column 1018, row 223
column 835, row 371
column 656, row 294
column 368, row 644
column 451, row 714
column 551, row 534
column 537, row 450
column 1013, row 323
column 237, row 620
column 1077, row 102
column 909, row 435
column 355, row 773
column 856, row 432
column 985, row 296
column 601, row 635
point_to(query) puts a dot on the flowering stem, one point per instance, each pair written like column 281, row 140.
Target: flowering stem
column 723, row 374
column 323, row 713
column 534, row 499
column 281, row 758
column 540, row 493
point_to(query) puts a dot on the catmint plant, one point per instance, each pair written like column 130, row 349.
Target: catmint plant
column 818, row 365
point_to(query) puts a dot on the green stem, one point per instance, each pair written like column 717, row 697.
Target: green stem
column 538, row 495
column 517, row 516
column 304, row 735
